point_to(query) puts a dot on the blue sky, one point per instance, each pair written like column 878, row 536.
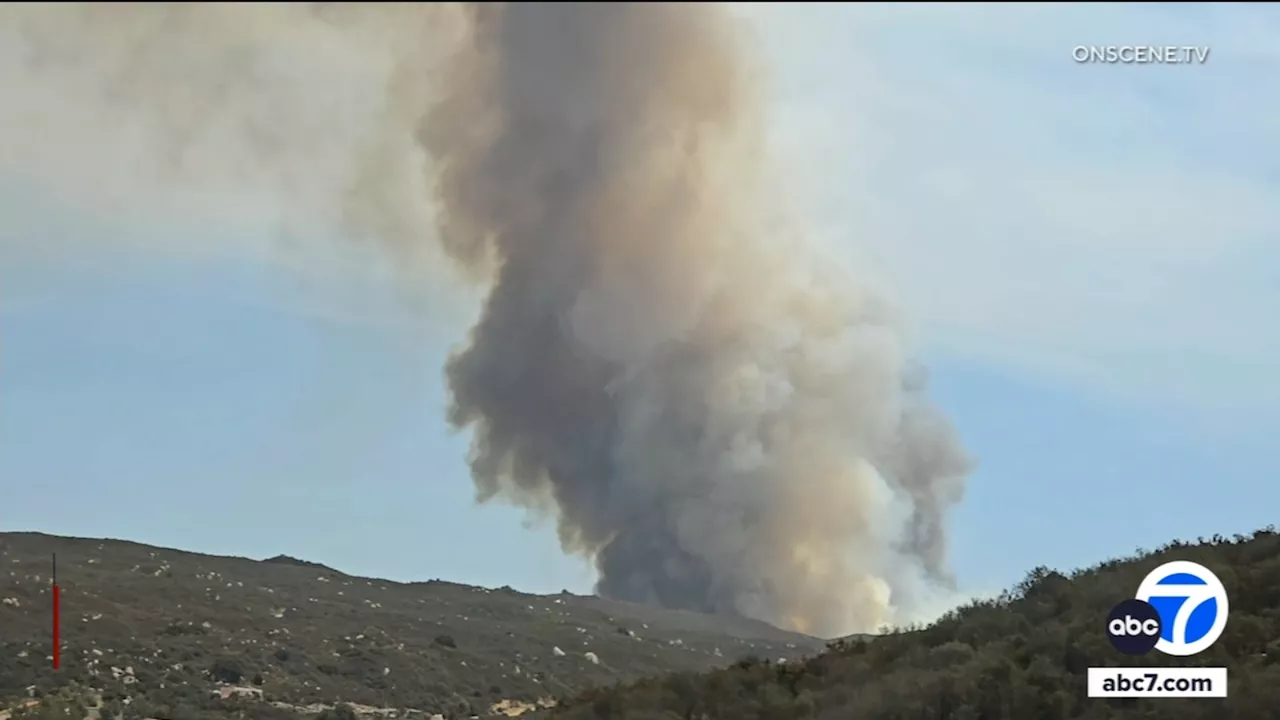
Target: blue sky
column 1087, row 255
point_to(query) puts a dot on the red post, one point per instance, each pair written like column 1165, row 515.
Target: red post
column 57, row 640
column 57, row 644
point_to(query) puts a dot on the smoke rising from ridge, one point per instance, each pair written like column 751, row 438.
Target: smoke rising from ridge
column 720, row 431
column 713, row 416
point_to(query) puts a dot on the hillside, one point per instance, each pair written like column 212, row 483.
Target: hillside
column 1021, row 657
column 150, row 632
column 154, row 630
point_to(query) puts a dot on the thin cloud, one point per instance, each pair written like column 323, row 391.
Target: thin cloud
column 1105, row 225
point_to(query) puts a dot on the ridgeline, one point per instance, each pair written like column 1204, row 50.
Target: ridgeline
column 161, row 633
column 1022, row 656
column 155, row 633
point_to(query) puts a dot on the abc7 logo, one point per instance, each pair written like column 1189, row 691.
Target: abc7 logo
column 1180, row 609
column 1134, row 627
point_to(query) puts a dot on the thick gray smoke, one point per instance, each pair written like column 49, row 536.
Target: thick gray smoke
column 719, row 429
column 715, row 419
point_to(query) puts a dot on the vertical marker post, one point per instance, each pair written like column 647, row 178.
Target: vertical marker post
column 57, row 643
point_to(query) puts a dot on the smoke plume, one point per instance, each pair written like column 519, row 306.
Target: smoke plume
column 717, row 427
column 713, row 416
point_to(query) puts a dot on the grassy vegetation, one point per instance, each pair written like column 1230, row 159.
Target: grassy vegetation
column 1020, row 657
column 154, row 631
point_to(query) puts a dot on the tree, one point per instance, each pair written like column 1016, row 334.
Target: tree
column 226, row 670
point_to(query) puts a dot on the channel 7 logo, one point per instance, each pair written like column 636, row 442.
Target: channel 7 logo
column 1180, row 609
